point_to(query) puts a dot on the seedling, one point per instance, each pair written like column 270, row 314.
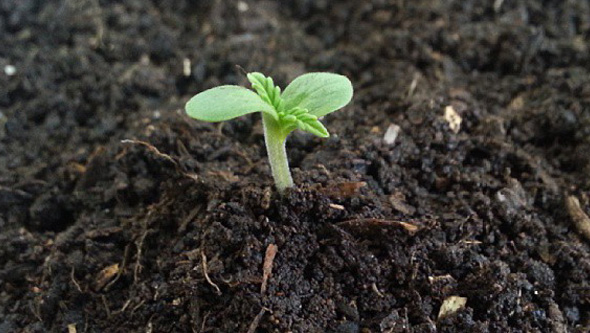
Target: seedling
column 306, row 99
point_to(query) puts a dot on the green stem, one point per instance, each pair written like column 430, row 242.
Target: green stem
column 275, row 138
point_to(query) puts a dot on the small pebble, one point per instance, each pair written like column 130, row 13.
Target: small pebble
column 451, row 305
column 9, row 70
column 572, row 313
column 391, row 134
column 186, row 67
column 242, row 6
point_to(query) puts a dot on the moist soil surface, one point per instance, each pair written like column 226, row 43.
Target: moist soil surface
column 118, row 213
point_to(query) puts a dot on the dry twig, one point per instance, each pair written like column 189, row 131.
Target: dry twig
column 120, row 271
column 152, row 149
column 73, row 278
column 191, row 215
column 139, row 245
column 167, row 157
column 206, row 274
column 269, row 258
column 411, row 228
column 256, row 321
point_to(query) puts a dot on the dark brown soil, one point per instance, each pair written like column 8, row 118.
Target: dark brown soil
column 118, row 213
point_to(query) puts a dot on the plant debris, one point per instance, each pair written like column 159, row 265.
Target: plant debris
column 269, row 258
column 579, row 217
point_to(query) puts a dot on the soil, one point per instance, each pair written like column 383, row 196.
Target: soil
column 118, row 213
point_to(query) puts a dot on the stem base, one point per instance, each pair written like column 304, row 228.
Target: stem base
column 275, row 139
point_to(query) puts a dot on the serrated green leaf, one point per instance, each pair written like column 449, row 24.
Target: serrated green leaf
column 320, row 93
column 317, row 128
column 266, row 89
column 226, row 102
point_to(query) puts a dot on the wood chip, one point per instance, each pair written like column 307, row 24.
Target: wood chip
column 413, row 84
column 401, row 206
column 433, row 279
column 453, row 118
column 411, row 228
column 336, row 206
column 517, row 103
column 579, row 217
column 77, row 167
column 269, row 257
column 451, row 305
column 105, row 276
column 345, row 190
column 266, row 198
column 470, row 242
column 72, row 328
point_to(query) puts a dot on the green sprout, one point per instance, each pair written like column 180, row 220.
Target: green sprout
column 309, row 97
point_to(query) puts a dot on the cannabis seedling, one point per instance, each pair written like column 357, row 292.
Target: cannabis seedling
column 309, row 97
